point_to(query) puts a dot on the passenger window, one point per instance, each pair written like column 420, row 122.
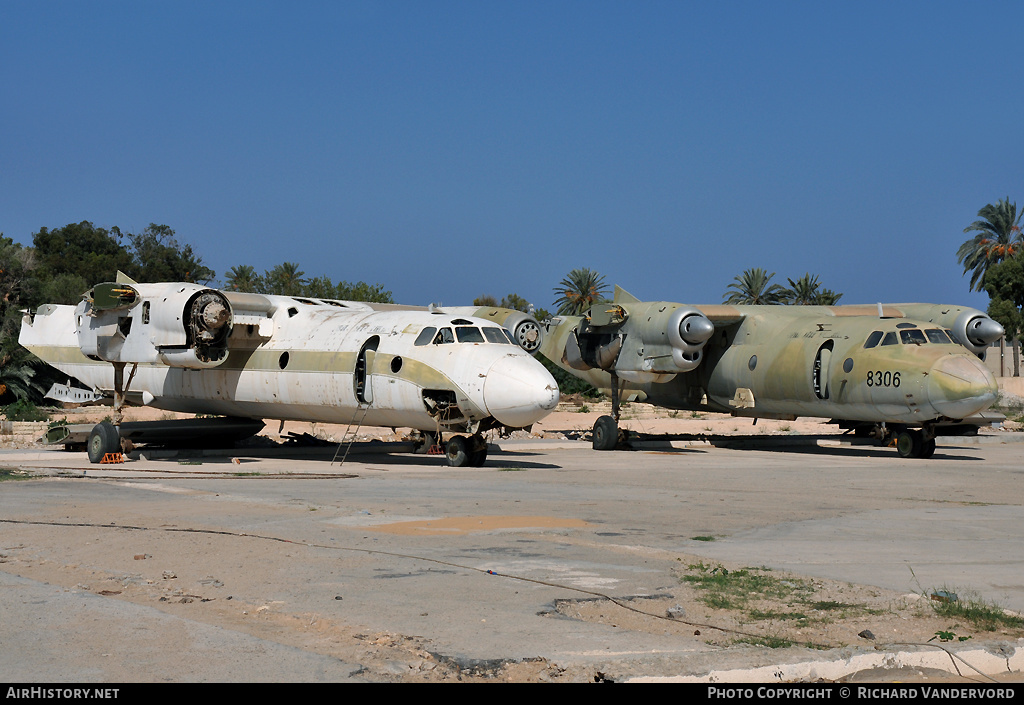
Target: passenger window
column 469, row 334
column 873, row 339
column 890, row 338
column 444, row 336
column 494, row 335
column 425, row 335
column 913, row 336
column 937, row 335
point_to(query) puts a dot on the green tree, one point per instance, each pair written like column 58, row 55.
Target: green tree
column 320, row 288
column 158, row 257
column 578, row 291
column 361, row 291
column 1004, row 283
column 754, row 287
column 95, row 254
column 999, row 237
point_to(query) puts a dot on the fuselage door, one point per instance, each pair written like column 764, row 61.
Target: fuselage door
column 364, row 368
column 820, row 373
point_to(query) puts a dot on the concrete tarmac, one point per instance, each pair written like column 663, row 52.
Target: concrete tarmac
column 467, row 565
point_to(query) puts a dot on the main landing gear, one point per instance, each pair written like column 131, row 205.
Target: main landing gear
column 606, row 429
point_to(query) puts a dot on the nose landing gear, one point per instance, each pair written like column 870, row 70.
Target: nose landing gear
column 466, row 452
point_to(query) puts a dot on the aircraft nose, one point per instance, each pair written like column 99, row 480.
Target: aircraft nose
column 519, row 391
column 961, row 385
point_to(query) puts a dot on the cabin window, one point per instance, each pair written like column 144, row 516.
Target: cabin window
column 145, row 313
column 444, row 336
column 425, row 336
column 890, row 338
column 873, row 339
column 468, row 334
column 913, row 336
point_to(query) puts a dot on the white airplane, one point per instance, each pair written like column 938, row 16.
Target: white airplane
column 194, row 349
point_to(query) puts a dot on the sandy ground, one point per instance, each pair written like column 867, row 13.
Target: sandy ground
column 573, row 418
column 816, row 613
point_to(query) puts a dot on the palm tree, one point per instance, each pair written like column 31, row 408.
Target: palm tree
column 999, row 237
column 754, row 287
column 243, row 278
column 581, row 289
column 286, row 279
column 807, row 291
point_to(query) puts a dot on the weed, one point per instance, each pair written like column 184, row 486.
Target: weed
column 584, row 409
column 739, row 587
column 772, row 642
column 979, row 613
column 702, row 538
column 511, row 469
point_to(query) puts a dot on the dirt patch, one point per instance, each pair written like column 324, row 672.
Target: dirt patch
column 726, row 606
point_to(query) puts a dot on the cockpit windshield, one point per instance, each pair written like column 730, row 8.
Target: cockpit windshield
column 909, row 335
column 464, row 334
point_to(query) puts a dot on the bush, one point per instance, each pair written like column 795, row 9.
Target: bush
column 23, row 410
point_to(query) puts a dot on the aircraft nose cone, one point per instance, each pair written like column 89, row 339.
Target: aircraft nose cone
column 961, row 385
column 519, row 391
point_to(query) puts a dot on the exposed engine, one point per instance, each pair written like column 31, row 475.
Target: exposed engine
column 663, row 340
column 180, row 325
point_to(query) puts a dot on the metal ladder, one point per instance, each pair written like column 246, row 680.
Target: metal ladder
column 358, row 424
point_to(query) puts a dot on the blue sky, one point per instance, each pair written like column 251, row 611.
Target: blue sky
column 452, row 149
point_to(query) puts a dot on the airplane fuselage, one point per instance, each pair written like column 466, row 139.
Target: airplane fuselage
column 789, row 361
column 293, row 358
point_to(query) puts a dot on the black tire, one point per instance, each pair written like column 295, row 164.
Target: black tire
column 606, row 433
column 104, row 438
column 477, row 457
column 928, row 448
column 909, row 443
column 457, row 451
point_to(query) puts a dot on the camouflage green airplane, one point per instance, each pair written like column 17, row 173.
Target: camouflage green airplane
column 894, row 370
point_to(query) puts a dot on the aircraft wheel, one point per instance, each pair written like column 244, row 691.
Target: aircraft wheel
column 104, row 438
column 928, row 448
column 477, row 457
column 909, row 444
column 457, row 451
column 606, row 433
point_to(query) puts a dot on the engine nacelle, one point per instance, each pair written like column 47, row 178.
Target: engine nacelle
column 526, row 331
column 180, row 325
column 976, row 331
column 649, row 342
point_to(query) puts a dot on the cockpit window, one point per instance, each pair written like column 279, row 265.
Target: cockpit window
column 873, row 339
column 937, row 335
column 913, row 336
column 444, row 336
column 469, row 334
column 425, row 335
column 508, row 334
column 890, row 338
column 494, row 335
